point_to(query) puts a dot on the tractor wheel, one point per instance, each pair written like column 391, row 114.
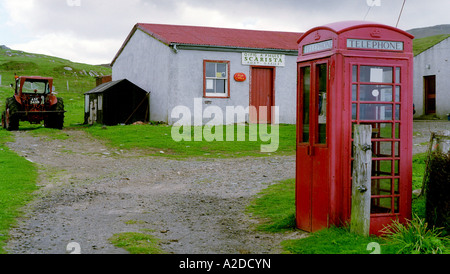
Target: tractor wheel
column 11, row 119
column 57, row 120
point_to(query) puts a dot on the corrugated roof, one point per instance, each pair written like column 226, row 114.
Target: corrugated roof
column 220, row 37
column 170, row 34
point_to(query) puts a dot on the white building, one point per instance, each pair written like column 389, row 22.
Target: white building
column 432, row 80
column 197, row 67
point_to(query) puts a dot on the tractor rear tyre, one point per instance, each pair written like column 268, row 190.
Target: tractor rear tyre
column 11, row 118
column 56, row 121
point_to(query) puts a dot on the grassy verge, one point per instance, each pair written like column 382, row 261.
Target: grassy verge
column 137, row 243
column 17, row 183
column 275, row 208
column 335, row 241
column 419, row 166
column 157, row 140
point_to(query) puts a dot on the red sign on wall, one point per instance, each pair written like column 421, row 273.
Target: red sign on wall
column 240, row 77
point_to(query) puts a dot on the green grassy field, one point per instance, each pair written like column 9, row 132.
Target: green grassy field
column 17, row 184
column 157, row 140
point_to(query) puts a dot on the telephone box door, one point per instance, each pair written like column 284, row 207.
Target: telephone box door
column 312, row 194
column 380, row 98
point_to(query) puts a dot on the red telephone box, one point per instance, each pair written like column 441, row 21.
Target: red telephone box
column 353, row 73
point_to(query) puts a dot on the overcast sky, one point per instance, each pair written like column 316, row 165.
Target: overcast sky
column 92, row 31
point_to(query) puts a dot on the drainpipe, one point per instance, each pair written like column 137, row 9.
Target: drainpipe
column 174, row 48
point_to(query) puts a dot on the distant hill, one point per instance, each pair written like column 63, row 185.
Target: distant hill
column 72, row 77
column 430, row 31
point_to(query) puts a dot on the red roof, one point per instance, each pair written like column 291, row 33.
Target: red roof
column 209, row 36
column 222, row 37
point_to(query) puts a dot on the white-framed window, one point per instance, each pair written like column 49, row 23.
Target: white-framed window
column 216, row 78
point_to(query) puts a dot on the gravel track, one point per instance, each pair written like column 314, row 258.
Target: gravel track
column 91, row 192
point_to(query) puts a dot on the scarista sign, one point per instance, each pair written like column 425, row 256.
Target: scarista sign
column 263, row 59
column 374, row 44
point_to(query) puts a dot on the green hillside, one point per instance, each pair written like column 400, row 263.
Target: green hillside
column 71, row 79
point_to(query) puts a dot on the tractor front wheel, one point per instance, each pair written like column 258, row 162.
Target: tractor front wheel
column 11, row 121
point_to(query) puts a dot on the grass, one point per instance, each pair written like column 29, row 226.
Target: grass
column 17, row 184
column 335, row 241
column 418, row 171
column 274, row 207
column 416, row 237
column 157, row 140
column 137, row 243
column 30, row 64
column 422, row 44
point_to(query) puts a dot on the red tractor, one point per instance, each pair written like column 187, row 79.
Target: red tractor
column 33, row 101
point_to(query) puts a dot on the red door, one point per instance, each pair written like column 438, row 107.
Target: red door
column 261, row 94
column 312, row 193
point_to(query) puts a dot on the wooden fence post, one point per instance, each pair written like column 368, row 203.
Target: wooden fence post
column 361, row 180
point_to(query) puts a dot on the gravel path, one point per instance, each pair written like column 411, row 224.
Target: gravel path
column 90, row 192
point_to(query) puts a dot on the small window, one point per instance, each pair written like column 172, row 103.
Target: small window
column 216, row 79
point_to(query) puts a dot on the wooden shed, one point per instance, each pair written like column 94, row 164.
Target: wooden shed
column 116, row 102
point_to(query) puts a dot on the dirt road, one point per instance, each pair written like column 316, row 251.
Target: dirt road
column 91, row 192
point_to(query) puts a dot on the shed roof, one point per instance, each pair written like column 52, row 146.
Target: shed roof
column 106, row 86
column 219, row 37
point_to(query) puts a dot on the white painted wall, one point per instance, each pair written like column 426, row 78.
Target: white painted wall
column 434, row 61
column 177, row 78
column 146, row 62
